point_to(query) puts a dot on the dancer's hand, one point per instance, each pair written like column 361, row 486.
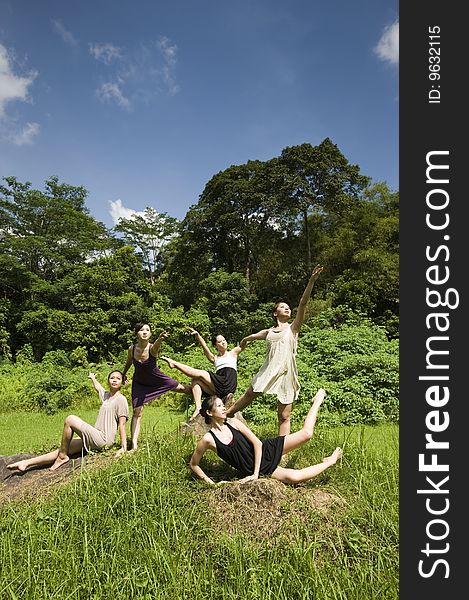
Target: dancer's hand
column 163, row 335
column 248, row 478
column 91, row 375
column 192, row 331
column 318, row 269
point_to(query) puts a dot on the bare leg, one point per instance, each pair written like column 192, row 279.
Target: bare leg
column 135, row 426
column 242, row 402
column 187, row 370
column 183, row 388
column 299, row 475
column 44, row 459
column 72, row 425
column 297, row 439
column 284, row 413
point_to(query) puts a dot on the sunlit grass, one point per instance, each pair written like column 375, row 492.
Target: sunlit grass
column 139, row 528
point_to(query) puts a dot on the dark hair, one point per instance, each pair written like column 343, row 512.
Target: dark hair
column 115, row 371
column 275, row 307
column 207, row 404
column 214, row 338
column 139, row 325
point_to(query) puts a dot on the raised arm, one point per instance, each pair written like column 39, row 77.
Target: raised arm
column 260, row 335
column 257, row 444
column 300, row 313
column 155, row 349
column 97, row 386
column 203, row 445
column 208, row 353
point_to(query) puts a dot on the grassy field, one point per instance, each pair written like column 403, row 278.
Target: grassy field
column 143, row 528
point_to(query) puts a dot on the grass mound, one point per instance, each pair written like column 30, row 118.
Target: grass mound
column 267, row 511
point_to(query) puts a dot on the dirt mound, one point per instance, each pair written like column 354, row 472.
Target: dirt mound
column 266, row 509
column 15, row 485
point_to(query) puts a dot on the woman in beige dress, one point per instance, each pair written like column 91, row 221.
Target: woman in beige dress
column 112, row 415
column 278, row 375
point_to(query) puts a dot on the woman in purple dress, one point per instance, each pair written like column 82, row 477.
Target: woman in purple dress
column 148, row 381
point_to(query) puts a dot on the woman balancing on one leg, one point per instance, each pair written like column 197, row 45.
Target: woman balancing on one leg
column 112, row 415
column 223, row 382
column 278, row 375
column 148, row 381
column 238, row 446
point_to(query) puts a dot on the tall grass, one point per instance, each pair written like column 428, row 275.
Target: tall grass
column 140, row 528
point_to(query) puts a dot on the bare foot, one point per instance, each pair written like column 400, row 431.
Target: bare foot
column 319, row 397
column 334, row 457
column 21, row 465
column 59, row 462
column 132, row 450
column 169, row 361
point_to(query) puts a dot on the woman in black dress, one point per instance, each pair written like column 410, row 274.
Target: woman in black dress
column 222, row 382
column 237, row 445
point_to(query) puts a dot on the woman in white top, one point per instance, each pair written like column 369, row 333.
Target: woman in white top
column 222, row 382
column 278, row 375
column 112, row 415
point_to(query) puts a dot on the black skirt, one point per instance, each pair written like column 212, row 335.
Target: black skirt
column 225, row 381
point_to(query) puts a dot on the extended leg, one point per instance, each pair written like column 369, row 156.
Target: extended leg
column 44, row 459
column 297, row 439
column 299, row 475
column 242, row 402
column 187, row 370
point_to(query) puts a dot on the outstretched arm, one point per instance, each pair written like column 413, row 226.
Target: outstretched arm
column 97, row 386
column 257, row 444
column 208, row 353
column 155, row 349
column 260, row 335
column 203, row 445
column 300, row 313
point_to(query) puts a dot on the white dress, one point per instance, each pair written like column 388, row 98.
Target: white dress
column 278, row 375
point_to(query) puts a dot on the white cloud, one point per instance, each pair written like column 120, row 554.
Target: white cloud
column 12, row 87
column 67, row 36
column 387, row 48
column 105, row 53
column 26, row 135
column 169, row 53
column 111, row 92
column 118, row 211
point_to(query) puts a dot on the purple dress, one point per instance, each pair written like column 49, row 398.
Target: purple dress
column 148, row 381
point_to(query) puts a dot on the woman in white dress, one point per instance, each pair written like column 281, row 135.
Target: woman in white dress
column 278, row 375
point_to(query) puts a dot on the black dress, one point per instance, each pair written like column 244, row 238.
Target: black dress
column 239, row 453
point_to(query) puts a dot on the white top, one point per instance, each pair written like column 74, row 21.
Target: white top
column 227, row 360
column 279, row 375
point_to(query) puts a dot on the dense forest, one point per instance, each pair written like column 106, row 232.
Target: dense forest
column 252, row 238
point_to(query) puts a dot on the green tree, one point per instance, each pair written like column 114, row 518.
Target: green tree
column 318, row 179
column 149, row 234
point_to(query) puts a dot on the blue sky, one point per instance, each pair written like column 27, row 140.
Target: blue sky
column 143, row 101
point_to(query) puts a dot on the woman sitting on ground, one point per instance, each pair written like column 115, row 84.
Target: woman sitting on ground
column 112, row 415
column 238, row 446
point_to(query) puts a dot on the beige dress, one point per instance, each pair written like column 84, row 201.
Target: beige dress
column 278, row 375
column 104, row 431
